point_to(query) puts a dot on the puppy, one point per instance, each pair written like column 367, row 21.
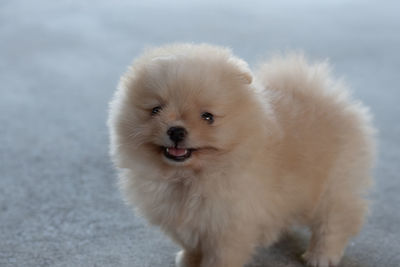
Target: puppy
column 223, row 161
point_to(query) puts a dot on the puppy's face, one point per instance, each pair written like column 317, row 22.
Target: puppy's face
column 181, row 112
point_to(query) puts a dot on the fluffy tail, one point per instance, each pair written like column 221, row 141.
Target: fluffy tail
column 292, row 72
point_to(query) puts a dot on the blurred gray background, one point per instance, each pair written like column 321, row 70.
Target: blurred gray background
column 59, row 64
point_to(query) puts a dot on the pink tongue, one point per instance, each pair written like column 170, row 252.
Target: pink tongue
column 177, row 152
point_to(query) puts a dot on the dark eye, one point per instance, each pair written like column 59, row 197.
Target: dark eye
column 155, row 110
column 208, row 117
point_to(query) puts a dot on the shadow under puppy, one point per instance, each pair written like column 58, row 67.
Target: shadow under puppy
column 223, row 162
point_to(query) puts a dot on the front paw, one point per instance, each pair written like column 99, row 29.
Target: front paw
column 179, row 259
column 185, row 259
column 315, row 259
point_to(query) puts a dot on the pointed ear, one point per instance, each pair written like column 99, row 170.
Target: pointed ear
column 243, row 69
column 247, row 76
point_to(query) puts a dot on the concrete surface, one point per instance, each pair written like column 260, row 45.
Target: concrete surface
column 59, row 64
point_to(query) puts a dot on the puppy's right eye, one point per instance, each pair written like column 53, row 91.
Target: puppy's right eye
column 156, row 110
column 208, row 117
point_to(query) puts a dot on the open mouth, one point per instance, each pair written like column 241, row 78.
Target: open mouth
column 177, row 154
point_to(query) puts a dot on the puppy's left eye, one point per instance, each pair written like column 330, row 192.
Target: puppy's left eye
column 208, row 117
column 155, row 110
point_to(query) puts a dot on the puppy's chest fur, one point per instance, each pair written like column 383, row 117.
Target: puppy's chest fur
column 189, row 209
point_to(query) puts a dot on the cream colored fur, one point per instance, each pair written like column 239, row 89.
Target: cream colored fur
column 288, row 146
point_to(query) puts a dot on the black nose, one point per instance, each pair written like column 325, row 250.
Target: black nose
column 177, row 134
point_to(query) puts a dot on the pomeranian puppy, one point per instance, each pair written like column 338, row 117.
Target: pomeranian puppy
column 223, row 160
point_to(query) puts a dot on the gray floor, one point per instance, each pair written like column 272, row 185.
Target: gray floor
column 59, row 64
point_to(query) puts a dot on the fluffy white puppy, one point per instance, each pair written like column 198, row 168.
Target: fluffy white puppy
column 223, row 161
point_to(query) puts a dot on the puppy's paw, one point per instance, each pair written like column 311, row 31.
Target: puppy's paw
column 319, row 259
column 179, row 259
column 185, row 259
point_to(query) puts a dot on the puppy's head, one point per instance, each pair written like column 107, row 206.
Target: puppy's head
column 182, row 106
